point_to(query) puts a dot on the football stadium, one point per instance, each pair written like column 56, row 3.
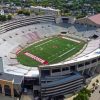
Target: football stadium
column 52, row 55
column 50, row 50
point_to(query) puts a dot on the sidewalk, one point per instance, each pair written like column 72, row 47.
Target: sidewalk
column 95, row 95
column 28, row 96
column 94, row 81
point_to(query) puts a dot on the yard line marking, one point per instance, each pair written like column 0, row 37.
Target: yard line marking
column 74, row 40
column 62, row 54
column 67, row 52
column 43, row 43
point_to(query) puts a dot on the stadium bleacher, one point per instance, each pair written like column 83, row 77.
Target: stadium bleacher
column 18, row 34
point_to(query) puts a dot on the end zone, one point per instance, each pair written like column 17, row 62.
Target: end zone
column 36, row 58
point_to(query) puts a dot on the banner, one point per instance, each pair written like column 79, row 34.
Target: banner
column 36, row 58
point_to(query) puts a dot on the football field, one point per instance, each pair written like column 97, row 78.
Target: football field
column 49, row 51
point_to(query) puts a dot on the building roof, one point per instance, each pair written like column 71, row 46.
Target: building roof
column 12, row 78
column 95, row 19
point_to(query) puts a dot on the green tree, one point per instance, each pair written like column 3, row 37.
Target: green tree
column 9, row 17
column 84, row 94
column 3, row 18
column 20, row 12
column 27, row 13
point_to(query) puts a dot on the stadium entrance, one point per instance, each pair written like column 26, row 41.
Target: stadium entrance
column 65, row 19
column 29, row 82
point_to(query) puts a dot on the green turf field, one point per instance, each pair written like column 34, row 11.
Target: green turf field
column 53, row 50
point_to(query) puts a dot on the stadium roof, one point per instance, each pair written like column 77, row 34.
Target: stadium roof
column 95, row 18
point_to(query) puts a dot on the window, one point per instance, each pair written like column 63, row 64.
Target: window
column 94, row 60
column 43, row 81
column 72, row 68
column 65, row 68
column 98, row 59
column 45, row 72
column 80, row 65
column 55, row 70
column 7, row 90
column 87, row 63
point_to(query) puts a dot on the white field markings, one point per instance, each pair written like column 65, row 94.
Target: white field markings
column 63, row 54
column 60, row 52
column 57, row 53
column 43, row 43
column 41, row 48
column 77, row 41
column 67, row 52
column 47, row 42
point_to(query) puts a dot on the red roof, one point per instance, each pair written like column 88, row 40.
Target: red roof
column 95, row 19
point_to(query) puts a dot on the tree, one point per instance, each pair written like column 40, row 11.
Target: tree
column 3, row 18
column 9, row 17
column 81, row 96
column 93, row 84
column 27, row 13
column 97, row 81
column 20, row 12
column 84, row 94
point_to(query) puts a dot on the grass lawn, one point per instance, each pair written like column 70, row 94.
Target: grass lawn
column 53, row 50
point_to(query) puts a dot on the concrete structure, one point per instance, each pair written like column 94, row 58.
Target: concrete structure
column 52, row 80
column 11, row 86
